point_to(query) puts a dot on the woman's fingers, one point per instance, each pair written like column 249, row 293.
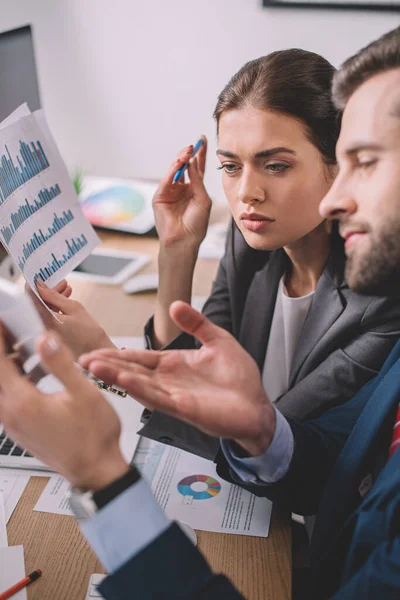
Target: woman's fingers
column 183, row 157
column 61, row 286
column 201, row 156
column 55, row 300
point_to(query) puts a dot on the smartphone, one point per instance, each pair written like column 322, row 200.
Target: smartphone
column 110, row 267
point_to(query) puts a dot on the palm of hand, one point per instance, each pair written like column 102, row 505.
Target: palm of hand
column 197, row 387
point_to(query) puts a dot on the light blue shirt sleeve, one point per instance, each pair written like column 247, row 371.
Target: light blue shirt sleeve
column 271, row 466
column 125, row 526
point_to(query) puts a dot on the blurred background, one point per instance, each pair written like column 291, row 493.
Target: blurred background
column 125, row 84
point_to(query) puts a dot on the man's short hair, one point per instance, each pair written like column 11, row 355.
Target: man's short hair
column 379, row 56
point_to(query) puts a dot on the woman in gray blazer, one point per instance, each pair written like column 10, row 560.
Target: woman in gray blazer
column 277, row 130
column 280, row 288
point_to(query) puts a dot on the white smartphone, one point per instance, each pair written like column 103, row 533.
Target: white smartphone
column 108, row 266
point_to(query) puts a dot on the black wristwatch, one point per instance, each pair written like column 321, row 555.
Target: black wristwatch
column 85, row 504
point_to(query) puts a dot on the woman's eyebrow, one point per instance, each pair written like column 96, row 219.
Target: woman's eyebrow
column 272, row 151
column 261, row 154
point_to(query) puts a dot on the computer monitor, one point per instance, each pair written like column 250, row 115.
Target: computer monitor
column 18, row 84
column 18, row 78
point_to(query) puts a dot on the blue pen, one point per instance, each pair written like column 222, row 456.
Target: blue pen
column 181, row 171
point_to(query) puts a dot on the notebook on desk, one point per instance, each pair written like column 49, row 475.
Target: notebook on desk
column 128, row 410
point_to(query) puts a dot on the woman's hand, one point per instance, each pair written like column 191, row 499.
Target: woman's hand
column 78, row 330
column 182, row 209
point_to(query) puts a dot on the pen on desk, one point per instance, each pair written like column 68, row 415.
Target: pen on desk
column 181, row 171
column 21, row 584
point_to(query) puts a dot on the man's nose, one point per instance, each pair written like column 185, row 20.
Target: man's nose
column 338, row 203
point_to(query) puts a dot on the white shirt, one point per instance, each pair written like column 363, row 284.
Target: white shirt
column 287, row 322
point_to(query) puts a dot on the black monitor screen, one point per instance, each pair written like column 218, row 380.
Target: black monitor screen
column 18, row 80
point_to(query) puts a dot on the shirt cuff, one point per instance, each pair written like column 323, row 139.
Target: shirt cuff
column 271, row 466
column 125, row 526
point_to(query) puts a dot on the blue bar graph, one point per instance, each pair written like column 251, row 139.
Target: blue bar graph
column 40, row 238
column 73, row 247
column 32, row 160
column 26, row 210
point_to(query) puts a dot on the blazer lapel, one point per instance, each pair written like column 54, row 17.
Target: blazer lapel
column 259, row 307
column 366, row 436
column 327, row 305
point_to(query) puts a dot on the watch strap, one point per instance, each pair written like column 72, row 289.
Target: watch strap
column 107, row 494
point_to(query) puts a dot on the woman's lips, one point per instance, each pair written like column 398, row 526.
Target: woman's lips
column 257, row 224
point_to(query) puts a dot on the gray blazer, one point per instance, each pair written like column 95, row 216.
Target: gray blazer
column 344, row 341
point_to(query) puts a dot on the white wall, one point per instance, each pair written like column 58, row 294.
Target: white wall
column 127, row 83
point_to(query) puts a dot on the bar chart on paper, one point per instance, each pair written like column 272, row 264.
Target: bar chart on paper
column 27, row 209
column 41, row 222
column 39, row 238
column 31, row 160
column 73, row 247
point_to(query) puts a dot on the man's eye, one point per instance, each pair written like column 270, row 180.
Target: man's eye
column 229, row 168
column 367, row 163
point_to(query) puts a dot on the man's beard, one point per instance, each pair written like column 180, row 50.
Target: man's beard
column 378, row 272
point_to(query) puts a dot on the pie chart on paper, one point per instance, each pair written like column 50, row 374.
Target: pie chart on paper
column 200, row 487
column 113, row 206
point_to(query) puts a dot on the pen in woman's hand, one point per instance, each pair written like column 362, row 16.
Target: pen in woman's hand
column 181, row 171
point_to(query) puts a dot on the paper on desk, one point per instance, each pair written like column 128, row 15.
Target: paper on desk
column 12, row 487
column 54, row 498
column 12, row 569
column 188, row 489
column 3, row 529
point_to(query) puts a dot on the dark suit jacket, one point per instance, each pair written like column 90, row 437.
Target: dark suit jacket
column 356, row 542
column 343, row 343
column 356, row 539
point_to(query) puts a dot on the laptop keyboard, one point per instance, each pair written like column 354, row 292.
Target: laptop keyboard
column 8, row 448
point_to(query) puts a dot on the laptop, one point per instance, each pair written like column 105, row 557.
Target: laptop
column 128, row 410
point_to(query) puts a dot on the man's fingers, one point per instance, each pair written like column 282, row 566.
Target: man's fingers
column 59, row 361
column 145, row 390
column 145, row 358
column 109, row 370
column 191, row 321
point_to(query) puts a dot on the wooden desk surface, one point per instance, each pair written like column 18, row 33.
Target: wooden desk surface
column 260, row 568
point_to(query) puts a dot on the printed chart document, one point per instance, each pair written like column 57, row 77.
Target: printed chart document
column 12, row 569
column 189, row 490
column 41, row 222
column 12, row 487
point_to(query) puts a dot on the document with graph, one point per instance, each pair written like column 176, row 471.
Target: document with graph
column 41, row 223
column 189, row 490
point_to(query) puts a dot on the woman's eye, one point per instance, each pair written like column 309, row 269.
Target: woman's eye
column 277, row 167
column 229, row 168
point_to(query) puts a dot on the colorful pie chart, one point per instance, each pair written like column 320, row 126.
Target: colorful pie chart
column 113, row 206
column 211, row 487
